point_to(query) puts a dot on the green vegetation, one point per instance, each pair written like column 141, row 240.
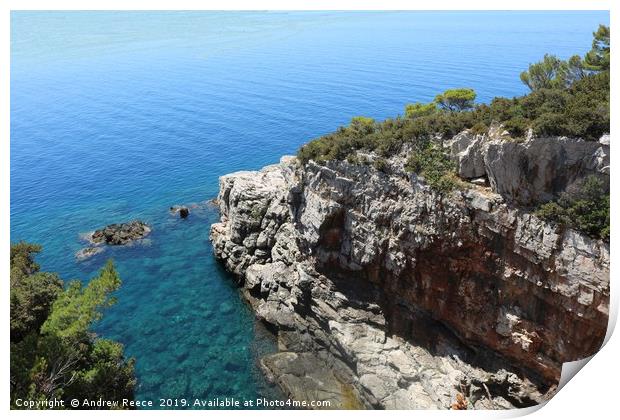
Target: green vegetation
column 568, row 98
column 381, row 165
column 419, row 109
column 553, row 73
column 435, row 166
column 53, row 352
column 598, row 58
column 586, row 210
column 456, row 99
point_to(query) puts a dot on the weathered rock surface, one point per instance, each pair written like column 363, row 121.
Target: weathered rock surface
column 406, row 297
column 304, row 377
column 532, row 171
column 538, row 170
column 120, row 233
column 468, row 151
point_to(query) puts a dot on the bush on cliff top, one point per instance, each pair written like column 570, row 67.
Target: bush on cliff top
column 568, row 98
column 434, row 165
column 586, row 210
column 581, row 110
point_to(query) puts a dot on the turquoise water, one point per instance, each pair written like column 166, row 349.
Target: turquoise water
column 119, row 115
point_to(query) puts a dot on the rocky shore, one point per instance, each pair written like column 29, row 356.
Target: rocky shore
column 386, row 294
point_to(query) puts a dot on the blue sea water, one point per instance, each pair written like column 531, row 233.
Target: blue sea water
column 119, row 115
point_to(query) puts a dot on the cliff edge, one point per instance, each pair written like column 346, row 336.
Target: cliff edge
column 385, row 293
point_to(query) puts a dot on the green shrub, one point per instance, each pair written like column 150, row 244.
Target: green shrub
column 576, row 107
column 419, row 109
column 479, row 128
column 435, row 166
column 517, row 126
column 587, row 210
column 353, row 159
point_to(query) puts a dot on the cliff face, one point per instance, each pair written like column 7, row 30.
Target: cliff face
column 386, row 294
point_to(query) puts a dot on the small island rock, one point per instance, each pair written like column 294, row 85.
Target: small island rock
column 120, row 233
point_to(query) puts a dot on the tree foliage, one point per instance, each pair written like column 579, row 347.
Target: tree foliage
column 53, row 352
column 456, row 99
column 580, row 110
column 544, row 74
column 568, row 98
column 553, row 73
column 419, row 109
column 78, row 307
column 598, row 58
column 32, row 292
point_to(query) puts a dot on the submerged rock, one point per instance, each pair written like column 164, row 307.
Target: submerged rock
column 120, row 233
column 88, row 252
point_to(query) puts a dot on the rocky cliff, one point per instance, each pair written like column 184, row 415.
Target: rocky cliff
column 386, row 294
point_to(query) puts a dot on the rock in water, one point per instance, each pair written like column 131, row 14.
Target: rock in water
column 88, row 252
column 183, row 211
column 120, row 233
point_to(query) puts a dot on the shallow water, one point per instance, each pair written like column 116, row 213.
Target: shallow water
column 119, row 115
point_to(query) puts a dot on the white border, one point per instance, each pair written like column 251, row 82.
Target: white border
column 591, row 394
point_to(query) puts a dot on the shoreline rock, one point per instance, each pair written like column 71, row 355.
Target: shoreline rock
column 408, row 296
column 303, row 377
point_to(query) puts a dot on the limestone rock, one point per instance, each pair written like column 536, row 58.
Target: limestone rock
column 468, row 151
column 304, row 377
column 537, row 170
column 375, row 281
